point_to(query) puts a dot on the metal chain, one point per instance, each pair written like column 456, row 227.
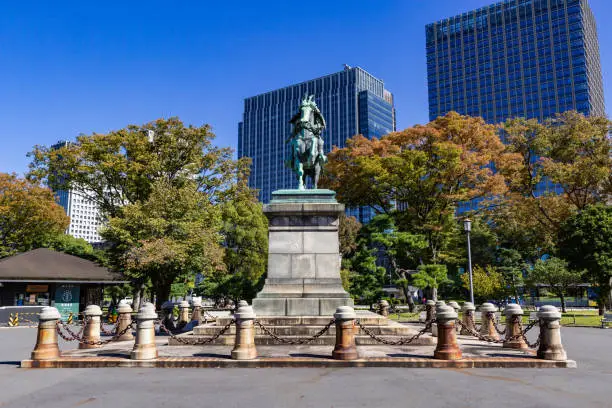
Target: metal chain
column 297, row 341
column 474, row 333
column 89, row 342
column 194, row 342
column 110, row 332
column 493, row 318
column 529, row 327
column 473, row 323
column 401, row 342
column 511, row 338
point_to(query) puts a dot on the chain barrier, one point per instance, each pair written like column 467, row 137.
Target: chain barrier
column 472, row 323
column 490, row 339
column 491, row 315
column 81, row 339
column 109, row 332
column 195, row 342
column 306, row 340
column 401, row 342
column 529, row 327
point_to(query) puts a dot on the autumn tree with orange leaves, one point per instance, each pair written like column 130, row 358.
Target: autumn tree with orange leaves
column 29, row 215
column 426, row 169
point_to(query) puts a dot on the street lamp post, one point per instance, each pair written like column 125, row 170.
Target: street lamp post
column 467, row 226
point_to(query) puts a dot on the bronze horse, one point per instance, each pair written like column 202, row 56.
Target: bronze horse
column 307, row 158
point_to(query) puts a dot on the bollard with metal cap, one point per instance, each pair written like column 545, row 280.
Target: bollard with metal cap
column 345, row 348
column 91, row 333
column 440, row 304
column 144, row 346
column 487, row 328
column 183, row 314
column 125, row 320
column 447, row 348
column 430, row 312
column 196, row 314
column 550, row 334
column 383, row 308
column 514, row 339
column 168, row 318
column 456, row 308
column 244, row 345
column 468, row 318
column 46, row 340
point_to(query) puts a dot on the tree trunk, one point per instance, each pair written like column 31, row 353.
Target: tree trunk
column 136, row 300
column 162, row 293
column 434, row 294
column 563, row 310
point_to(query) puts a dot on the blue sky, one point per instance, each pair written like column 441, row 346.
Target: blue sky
column 80, row 67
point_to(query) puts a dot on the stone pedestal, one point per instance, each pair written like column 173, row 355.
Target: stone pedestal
column 303, row 256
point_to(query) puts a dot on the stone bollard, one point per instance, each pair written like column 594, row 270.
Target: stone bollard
column 168, row 319
column 183, row 314
column 196, row 314
column 430, row 312
column 514, row 314
column 487, row 327
column 383, row 308
column 434, row 326
column 46, row 340
column 345, row 348
column 244, row 345
column 144, row 346
column 91, row 333
column 125, row 319
column 447, row 348
column 468, row 319
column 456, row 308
column 550, row 334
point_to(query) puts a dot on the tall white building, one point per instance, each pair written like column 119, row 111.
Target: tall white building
column 85, row 217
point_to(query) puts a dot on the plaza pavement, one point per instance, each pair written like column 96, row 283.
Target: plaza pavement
column 589, row 385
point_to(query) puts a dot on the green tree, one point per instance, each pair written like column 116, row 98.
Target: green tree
column 487, row 281
column 348, row 231
column 366, row 278
column 29, row 215
column 245, row 241
column 402, row 250
column 510, row 264
column 429, row 169
column 431, row 277
column 572, row 151
column 554, row 273
column 172, row 235
column 126, row 172
column 74, row 246
column 584, row 241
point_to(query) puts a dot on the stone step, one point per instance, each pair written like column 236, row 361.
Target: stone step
column 368, row 319
column 360, row 340
column 307, row 330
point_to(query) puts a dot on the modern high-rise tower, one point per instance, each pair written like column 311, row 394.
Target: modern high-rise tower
column 516, row 58
column 352, row 102
column 85, row 217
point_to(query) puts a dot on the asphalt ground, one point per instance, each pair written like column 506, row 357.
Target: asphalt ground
column 589, row 385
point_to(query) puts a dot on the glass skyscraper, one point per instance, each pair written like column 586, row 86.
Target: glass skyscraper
column 352, row 102
column 516, row 58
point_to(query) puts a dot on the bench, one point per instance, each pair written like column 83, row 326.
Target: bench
column 606, row 319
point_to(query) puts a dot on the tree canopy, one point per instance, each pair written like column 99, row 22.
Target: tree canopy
column 29, row 215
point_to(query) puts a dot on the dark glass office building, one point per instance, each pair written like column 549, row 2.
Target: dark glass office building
column 352, row 101
column 516, row 58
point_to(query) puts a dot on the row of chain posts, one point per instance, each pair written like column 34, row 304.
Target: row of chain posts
column 68, row 334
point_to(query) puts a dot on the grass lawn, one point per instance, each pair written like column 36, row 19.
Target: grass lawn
column 578, row 318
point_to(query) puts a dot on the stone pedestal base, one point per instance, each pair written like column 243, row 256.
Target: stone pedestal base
column 303, row 256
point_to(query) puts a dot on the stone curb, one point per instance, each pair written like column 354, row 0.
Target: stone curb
column 201, row 362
